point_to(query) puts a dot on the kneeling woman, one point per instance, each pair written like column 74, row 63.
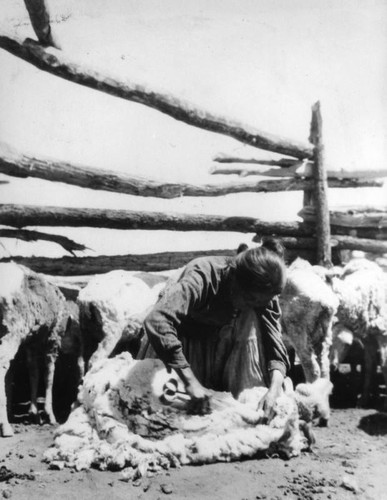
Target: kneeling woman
column 218, row 325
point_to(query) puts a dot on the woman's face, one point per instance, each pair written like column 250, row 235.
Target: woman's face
column 248, row 299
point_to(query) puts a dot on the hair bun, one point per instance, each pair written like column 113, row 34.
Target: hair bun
column 274, row 245
column 242, row 247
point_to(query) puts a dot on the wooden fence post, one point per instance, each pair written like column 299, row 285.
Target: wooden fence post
column 323, row 230
column 40, row 20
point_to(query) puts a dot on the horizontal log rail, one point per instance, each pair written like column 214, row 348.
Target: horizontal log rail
column 28, row 215
column 353, row 217
column 303, row 169
column 288, row 163
column 16, row 164
column 80, row 266
column 339, row 242
column 84, row 266
column 363, row 244
column 373, row 233
column 283, row 162
column 56, row 63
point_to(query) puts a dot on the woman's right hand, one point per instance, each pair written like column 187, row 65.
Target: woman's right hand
column 200, row 396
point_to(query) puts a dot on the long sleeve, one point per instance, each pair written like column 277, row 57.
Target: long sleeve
column 162, row 323
column 275, row 350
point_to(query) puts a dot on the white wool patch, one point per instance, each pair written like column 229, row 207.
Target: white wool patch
column 118, row 295
column 124, row 422
column 11, row 280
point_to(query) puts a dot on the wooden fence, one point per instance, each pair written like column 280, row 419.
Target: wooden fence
column 302, row 168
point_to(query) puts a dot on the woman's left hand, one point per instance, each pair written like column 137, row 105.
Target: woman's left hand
column 267, row 403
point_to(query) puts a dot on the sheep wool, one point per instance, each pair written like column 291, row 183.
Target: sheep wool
column 124, row 421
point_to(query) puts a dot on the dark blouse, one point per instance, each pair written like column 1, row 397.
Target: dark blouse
column 200, row 300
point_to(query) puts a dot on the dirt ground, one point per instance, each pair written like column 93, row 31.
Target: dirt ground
column 348, row 461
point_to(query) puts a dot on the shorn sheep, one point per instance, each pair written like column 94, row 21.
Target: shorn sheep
column 134, row 416
column 33, row 313
column 112, row 307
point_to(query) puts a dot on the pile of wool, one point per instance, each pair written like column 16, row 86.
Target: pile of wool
column 124, row 422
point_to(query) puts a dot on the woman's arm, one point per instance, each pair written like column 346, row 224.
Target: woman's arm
column 275, row 351
column 276, row 355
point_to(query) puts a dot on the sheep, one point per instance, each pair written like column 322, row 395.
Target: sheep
column 32, row 312
column 362, row 310
column 308, row 308
column 112, row 308
column 124, row 421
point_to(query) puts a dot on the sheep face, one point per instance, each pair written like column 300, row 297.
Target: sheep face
column 313, row 401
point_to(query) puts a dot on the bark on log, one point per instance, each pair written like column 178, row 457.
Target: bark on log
column 40, row 20
column 68, row 244
column 361, row 232
column 365, row 245
column 291, row 171
column 292, row 242
column 324, row 255
column 303, row 169
column 283, row 162
column 16, row 164
column 29, row 215
column 355, row 217
column 80, row 266
column 56, row 63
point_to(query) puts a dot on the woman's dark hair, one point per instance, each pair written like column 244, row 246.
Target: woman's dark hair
column 262, row 268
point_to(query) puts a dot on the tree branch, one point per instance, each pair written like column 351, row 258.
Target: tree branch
column 26, row 235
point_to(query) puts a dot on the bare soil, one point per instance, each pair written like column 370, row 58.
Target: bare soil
column 349, row 461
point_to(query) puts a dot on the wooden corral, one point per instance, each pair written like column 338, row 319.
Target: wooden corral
column 302, row 168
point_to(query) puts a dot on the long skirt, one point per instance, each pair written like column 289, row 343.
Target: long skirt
column 230, row 358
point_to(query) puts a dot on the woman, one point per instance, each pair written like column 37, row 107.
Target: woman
column 218, row 325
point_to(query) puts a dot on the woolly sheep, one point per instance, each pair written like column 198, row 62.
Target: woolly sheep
column 362, row 310
column 32, row 312
column 308, row 308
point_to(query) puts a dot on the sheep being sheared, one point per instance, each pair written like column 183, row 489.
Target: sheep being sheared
column 32, row 313
column 112, row 308
column 134, row 415
column 362, row 310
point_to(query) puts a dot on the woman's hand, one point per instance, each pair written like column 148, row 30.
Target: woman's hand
column 200, row 401
column 267, row 403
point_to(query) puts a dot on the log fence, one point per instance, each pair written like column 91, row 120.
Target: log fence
column 302, row 169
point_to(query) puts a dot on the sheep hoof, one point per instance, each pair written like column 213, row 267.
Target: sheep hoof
column 35, row 418
column 323, row 422
column 6, row 430
column 363, row 402
column 51, row 419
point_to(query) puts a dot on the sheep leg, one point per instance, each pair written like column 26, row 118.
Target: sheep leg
column 382, row 342
column 306, row 355
column 324, row 347
column 9, row 346
column 112, row 334
column 33, row 374
column 49, row 383
column 323, row 358
column 81, row 367
column 369, row 367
